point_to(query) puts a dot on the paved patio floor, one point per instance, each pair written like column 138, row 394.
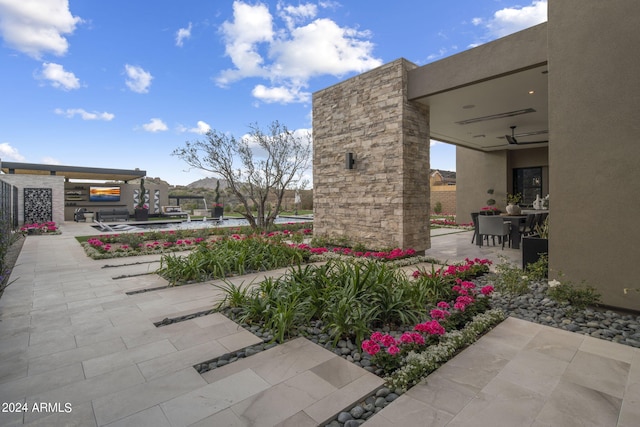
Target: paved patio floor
column 76, row 349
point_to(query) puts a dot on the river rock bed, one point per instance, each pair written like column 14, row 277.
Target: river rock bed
column 535, row 306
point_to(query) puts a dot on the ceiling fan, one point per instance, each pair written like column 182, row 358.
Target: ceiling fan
column 512, row 138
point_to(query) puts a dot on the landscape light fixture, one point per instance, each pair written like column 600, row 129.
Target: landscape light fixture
column 350, row 161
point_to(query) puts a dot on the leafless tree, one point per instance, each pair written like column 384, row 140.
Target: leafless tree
column 254, row 166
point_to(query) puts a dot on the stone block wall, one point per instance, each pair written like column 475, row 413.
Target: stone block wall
column 446, row 195
column 383, row 202
column 56, row 183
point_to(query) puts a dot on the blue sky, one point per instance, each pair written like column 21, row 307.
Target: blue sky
column 121, row 83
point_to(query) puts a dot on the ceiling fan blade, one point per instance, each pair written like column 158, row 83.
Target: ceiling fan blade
column 531, row 142
column 511, row 139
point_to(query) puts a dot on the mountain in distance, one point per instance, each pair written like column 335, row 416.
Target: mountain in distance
column 208, row 183
column 154, row 180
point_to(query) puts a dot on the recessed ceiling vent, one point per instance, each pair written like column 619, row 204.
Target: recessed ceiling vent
column 496, row 116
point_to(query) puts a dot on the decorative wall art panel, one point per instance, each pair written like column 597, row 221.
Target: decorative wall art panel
column 38, row 205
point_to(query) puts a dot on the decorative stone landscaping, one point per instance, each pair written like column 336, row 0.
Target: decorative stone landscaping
column 535, row 306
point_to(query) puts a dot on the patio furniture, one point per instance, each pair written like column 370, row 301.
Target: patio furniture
column 174, row 211
column 78, row 214
column 494, row 226
column 528, row 225
column 474, row 218
column 113, row 214
column 516, row 223
column 539, row 220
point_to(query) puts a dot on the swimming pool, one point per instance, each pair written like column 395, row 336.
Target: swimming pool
column 189, row 224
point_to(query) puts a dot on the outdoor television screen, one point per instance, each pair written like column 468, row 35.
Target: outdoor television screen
column 104, row 194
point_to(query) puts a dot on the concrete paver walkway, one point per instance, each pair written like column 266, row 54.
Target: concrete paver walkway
column 525, row 374
column 72, row 339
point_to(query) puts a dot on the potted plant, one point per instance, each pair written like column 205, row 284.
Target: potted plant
column 536, row 244
column 490, row 209
column 141, row 210
column 512, row 203
column 491, row 201
column 218, row 208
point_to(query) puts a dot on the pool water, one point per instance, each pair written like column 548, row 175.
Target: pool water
column 191, row 224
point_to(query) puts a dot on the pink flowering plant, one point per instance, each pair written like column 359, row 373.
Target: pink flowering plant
column 469, row 269
column 47, row 227
column 164, row 241
column 492, row 209
column 391, row 255
column 466, row 301
column 386, row 351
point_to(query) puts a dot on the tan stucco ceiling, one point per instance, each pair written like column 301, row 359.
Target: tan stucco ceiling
column 73, row 172
column 503, row 76
column 504, row 94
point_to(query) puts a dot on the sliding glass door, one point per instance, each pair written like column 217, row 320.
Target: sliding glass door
column 528, row 182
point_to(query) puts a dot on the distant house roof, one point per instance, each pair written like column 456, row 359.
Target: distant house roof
column 448, row 177
column 72, row 172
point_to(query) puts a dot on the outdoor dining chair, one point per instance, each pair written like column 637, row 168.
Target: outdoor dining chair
column 493, row 226
column 528, row 226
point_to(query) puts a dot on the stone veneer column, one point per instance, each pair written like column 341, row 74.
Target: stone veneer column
column 383, row 202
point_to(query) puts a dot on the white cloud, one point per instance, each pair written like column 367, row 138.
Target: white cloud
column 85, row 115
column 201, row 128
column 50, row 161
column 292, row 15
column 7, row 152
column 281, row 94
column 510, row 20
column 155, row 125
column 182, row 34
column 252, row 25
column 289, row 56
column 322, row 47
column 58, row 77
column 36, row 27
column 138, row 80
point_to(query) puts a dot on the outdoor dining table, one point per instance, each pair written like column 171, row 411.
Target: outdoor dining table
column 516, row 222
column 514, row 234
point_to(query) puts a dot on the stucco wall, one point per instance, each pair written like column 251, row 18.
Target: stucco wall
column 594, row 98
column 383, row 201
column 476, row 173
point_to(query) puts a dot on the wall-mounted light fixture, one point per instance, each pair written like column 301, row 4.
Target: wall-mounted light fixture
column 350, row 161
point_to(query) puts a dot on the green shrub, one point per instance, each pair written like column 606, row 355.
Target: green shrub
column 234, row 296
column 579, row 298
column 319, row 242
column 134, row 240
column 431, row 286
column 229, row 256
column 437, row 208
column 351, row 298
column 538, row 270
column 359, row 247
column 510, row 279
